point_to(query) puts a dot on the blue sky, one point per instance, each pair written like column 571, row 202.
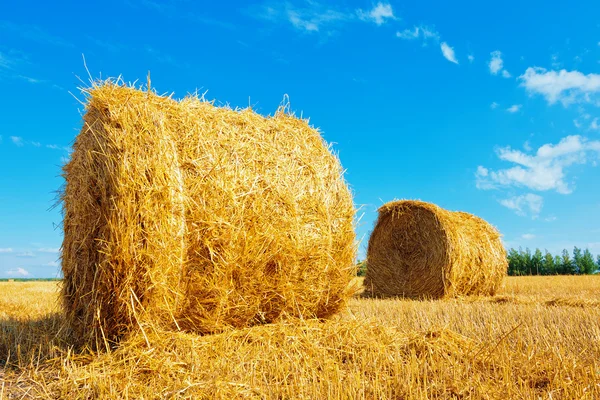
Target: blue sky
column 489, row 108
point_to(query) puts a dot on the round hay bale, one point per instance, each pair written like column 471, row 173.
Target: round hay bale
column 419, row 250
column 199, row 218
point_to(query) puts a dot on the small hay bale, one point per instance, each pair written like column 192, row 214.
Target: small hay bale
column 419, row 250
column 199, row 218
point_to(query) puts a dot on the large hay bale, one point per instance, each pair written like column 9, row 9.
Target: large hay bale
column 419, row 250
column 199, row 218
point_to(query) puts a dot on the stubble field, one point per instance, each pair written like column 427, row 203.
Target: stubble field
column 539, row 338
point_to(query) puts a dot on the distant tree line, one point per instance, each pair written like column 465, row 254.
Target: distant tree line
column 524, row 262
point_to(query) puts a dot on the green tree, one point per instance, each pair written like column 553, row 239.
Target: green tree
column 549, row 266
column 361, row 268
column 598, row 262
column 558, row 264
column 515, row 262
column 527, row 267
column 537, row 265
column 567, row 266
column 588, row 266
column 577, row 260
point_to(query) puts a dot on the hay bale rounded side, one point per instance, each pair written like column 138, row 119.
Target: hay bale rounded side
column 124, row 219
column 419, row 250
column 200, row 218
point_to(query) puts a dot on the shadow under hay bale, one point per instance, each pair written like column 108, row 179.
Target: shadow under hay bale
column 419, row 250
column 199, row 218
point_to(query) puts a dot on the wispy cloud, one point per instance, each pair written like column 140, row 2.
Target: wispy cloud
column 543, row 171
column 312, row 16
column 106, row 45
column 165, row 58
column 514, row 108
column 526, row 205
column 5, row 61
column 528, row 236
column 49, row 250
column 21, row 142
column 448, row 53
column 379, row 14
column 426, row 34
column 6, row 250
column 175, row 10
column 26, row 254
column 33, row 33
column 18, row 272
column 471, row 58
column 12, row 64
column 565, row 86
column 494, row 105
column 421, row 31
column 496, row 64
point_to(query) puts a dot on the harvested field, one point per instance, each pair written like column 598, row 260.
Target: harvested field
column 537, row 346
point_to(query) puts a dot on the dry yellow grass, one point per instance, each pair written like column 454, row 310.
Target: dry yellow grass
column 538, row 339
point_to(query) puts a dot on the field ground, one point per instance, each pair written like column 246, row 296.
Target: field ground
column 538, row 339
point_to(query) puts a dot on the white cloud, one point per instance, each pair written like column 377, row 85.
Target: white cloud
column 527, row 146
column 550, row 218
column 565, row 86
column 527, row 204
column 51, row 264
column 528, row 236
column 514, row 108
column 546, row 170
column 49, row 250
column 5, row 62
column 471, row 58
column 409, row 34
column 594, row 125
column 312, row 16
column 555, row 63
column 26, row 254
column 17, row 140
column 496, row 62
column 20, row 142
column 18, row 272
column 34, row 33
column 378, row 14
column 420, row 31
column 496, row 65
column 6, row 250
column 448, row 53
column 494, row 105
